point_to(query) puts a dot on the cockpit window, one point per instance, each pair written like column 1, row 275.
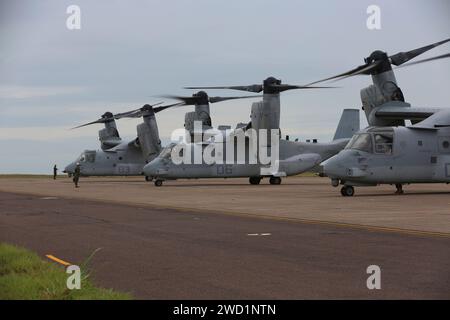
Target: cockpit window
column 88, row 156
column 361, row 142
column 166, row 153
column 383, row 142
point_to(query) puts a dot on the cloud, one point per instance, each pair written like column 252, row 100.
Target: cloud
column 38, row 133
column 52, row 78
column 32, row 92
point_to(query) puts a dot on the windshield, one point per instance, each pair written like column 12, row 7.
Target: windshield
column 166, row 153
column 383, row 142
column 361, row 142
column 87, row 156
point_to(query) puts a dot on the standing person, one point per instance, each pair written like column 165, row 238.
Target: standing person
column 76, row 174
column 55, row 172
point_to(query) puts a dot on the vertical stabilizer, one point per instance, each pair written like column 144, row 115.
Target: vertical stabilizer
column 348, row 125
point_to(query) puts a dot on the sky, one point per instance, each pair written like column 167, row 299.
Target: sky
column 127, row 53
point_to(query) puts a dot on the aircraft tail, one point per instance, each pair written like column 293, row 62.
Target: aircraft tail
column 348, row 125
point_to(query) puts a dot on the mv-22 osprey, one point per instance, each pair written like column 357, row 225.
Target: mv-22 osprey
column 118, row 157
column 291, row 157
column 127, row 158
column 388, row 152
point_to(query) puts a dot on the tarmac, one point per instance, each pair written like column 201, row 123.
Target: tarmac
column 226, row 239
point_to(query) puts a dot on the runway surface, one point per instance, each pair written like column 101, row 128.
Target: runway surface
column 159, row 253
column 425, row 208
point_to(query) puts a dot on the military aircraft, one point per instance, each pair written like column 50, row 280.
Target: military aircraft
column 294, row 157
column 127, row 158
column 419, row 153
column 383, row 101
column 388, row 151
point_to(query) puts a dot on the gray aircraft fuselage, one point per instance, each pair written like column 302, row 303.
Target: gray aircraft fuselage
column 124, row 159
column 295, row 158
column 414, row 155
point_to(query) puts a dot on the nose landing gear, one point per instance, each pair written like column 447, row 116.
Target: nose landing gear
column 347, row 191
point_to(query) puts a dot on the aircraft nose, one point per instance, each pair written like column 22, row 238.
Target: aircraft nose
column 70, row 168
column 333, row 167
column 151, row 168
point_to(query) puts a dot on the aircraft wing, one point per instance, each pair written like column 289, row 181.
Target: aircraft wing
column 438, row 120
column 401, row 113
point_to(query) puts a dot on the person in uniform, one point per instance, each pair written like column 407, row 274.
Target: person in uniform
column 55, row 172
column 76, row 174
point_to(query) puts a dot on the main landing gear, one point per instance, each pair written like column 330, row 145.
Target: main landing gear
column 399, row 187
column 347, row 191
column 275, row 180
column 257, row 180
column 254, row 180
column 158, row 183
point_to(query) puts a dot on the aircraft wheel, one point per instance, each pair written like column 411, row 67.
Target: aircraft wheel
column 347, row 191
column 254, row 180
column 148, row 179
column 275, row 180
column 158, row 183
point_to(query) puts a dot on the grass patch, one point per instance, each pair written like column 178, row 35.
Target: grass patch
column 24, row 276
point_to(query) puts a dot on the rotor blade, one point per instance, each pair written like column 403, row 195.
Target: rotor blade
column 402, row 57
column 447, row 55
column 251, row 88
column 193, row 100
column 362, row 69
column 161, row 108
column 127, row 114
column 285, row 87
column 186, row 100
column 89, row 123
column 219, row 99
column 137, row 113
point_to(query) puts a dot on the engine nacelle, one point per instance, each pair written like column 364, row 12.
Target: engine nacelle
column 383, row 89
column 200, row 114
column 266, row 114
column 109, row 135
column 148, row 136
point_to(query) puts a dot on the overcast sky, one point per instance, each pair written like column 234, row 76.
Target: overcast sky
column 128, row 52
